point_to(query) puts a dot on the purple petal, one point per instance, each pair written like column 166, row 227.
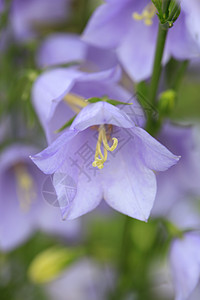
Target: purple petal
column 109, row 24
column 77, row 183
column 129, row 186
column 101, row 113
column 156, row 156
column 185, row 264
column 61, row 48
column 51, row 158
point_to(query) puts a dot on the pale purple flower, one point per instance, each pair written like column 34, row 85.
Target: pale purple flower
column 123, row 178
column 114, row 26
column 54, row 91
column 27, row 15
column 63, row 48
column 185, row 264
column 183, row 180
column 23, row 210
column 86, row 279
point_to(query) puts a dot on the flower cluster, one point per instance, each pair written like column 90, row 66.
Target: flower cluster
column 95, row 122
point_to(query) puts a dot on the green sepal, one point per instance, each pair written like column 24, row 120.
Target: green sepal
column 115, row 102
column 168, row 12
column 66, row 124
column 94, row 100
column 106, row 99
column 158, row 5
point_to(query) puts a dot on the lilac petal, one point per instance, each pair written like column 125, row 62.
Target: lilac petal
column 26, row 14
column 77, row 183
column 105, row 28
column 136, row 52
column 50, row 88
column 61, row 48
column 64, row 48
column 180, row 43
column 51, row 158
column 156, row 156
column 101, row 113
column 185, row 264
column 192, row 11
column 129, row 186
column 16, row 226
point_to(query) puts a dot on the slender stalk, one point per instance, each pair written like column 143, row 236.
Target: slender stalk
column 160, row 45
column 123, row 260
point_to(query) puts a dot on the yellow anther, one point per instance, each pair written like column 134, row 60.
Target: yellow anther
column 25, row 187
column 147, row 14
column 99, row 158
column 75, row 102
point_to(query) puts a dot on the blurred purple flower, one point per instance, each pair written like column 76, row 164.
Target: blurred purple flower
column 185, row 264
column 62, row 48
column 22, row 209
column 27, row 15
column 55, row 91
column 97, row 281
column 114, row 26
column 183, row 181
column 126, row 182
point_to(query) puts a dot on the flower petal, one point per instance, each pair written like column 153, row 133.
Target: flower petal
column 51, row 158
column 185, row 264
column 105, row 28
column 135, row 194
column 101, row 113
column 77, row 183
column 156, row 156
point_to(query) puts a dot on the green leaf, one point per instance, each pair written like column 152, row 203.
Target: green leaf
column 66, row 124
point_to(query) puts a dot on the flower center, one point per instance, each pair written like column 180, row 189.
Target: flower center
column 75, row 102
column 147, row 14
column 26, row 190
column 99, row 158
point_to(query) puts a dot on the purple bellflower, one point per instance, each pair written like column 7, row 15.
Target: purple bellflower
column 59, row 88
column 95, row 283
column 120, row 173
column 174, row 185
column 27, row 15
column 130, row 27
column 185, row 264
column 62, row 48
column 23, row 210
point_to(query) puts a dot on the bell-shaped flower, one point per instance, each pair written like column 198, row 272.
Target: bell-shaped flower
column 185, row 264
column 109, row 158
column 58, row 95
column 130, row 27
column 63, row 48
column 27, row 16
column 175, row 185
column 23, row 210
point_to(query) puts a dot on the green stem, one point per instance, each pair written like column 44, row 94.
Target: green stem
column 161, row 39
column 123, row 260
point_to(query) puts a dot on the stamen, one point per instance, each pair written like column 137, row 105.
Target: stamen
column 25, row 187
column 75, row 102
column 147, row 14
column 99, row 158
